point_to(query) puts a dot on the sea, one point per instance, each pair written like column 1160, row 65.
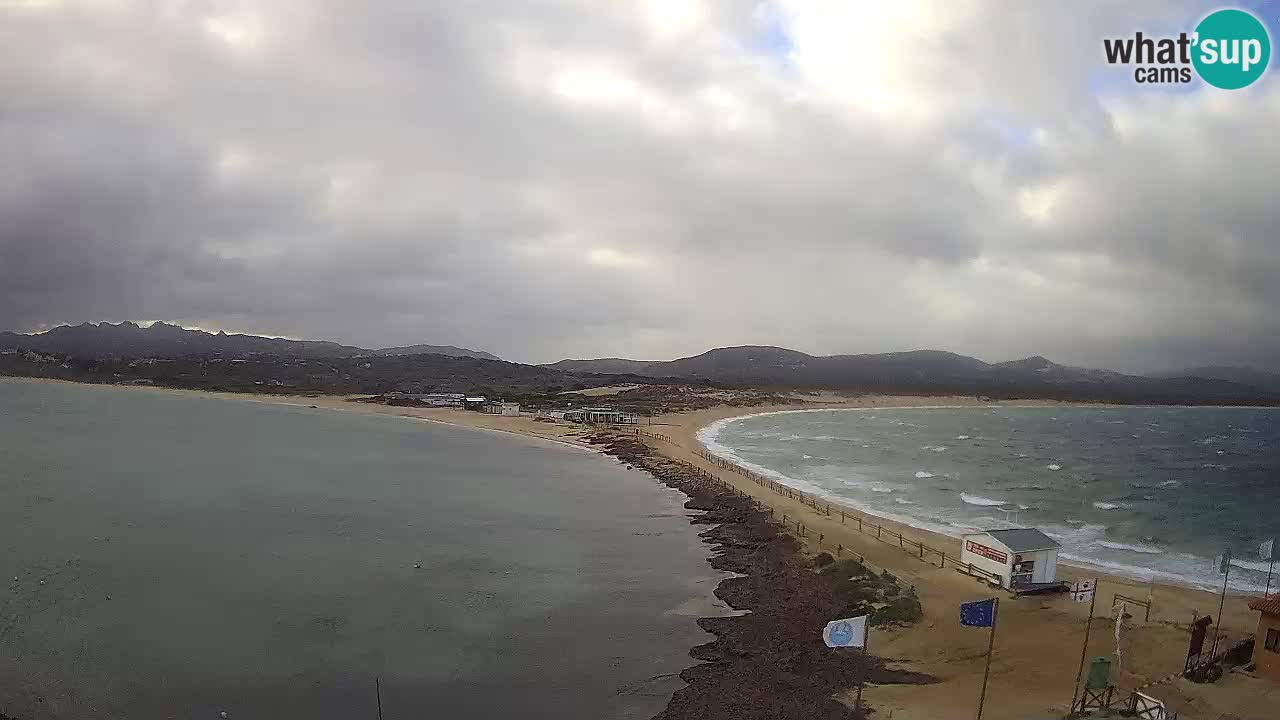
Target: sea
column 179, row 555
column 1152, row 493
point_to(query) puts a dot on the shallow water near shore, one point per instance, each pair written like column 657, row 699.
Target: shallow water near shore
column 1151, row 493
column 179, row 555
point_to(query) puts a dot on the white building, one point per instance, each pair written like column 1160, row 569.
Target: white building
column 497, row 407
column 1023, row 558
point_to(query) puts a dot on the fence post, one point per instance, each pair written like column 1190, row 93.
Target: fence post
column 839, row 550
column 877, row 532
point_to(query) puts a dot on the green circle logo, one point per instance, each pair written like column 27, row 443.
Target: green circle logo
column 1232, row 49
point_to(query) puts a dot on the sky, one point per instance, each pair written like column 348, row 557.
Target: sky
column 545, row 179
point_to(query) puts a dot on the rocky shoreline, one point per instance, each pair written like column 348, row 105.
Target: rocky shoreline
column 771, row 662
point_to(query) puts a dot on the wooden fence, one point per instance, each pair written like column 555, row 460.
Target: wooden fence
column 848, row 517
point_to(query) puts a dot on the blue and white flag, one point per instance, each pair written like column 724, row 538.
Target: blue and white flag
column 850, row 632
column 978, row 614
column 1266, row 549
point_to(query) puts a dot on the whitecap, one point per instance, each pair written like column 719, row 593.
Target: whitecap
column 940, row 448
column 921, row 474
column 807, row 457
column 1053, row 466
column 1136, row 547
column 903, row 501
column 982, row 501
column 881, row 489
column 962, row 437
column 1109, row 505
column 1170, row 483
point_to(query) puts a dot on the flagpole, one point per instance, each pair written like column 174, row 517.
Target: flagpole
column 995, row 612
column 1084, row 649
column 862, row 679
column 1270, row 568
column 1221, row 603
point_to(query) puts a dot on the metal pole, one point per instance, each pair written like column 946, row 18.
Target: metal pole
column 1084, row 650
column 1221, row 602
column 862, row 679
column 995, row 612
column 1270, row 567
column 377, row 688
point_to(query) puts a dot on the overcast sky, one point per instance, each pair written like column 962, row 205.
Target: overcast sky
column 583, row 178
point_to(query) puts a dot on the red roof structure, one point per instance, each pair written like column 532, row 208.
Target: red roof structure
column 1266, row 606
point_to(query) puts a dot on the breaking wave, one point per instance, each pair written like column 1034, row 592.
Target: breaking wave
column 981, row 501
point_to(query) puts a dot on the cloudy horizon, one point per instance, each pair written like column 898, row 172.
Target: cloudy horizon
column 556, row 179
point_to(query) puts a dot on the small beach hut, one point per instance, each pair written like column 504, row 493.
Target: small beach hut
column 1266, row 646
column 1025, row 559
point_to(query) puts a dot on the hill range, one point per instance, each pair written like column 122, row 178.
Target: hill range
column 184, row 357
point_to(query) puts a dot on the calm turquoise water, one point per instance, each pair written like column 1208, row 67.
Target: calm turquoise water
column 1147, row 492
column 176, row 556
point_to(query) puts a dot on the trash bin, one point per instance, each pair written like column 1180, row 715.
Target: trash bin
column 1099, row 674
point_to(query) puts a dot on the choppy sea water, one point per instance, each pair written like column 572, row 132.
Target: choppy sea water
column 1144, row 492
column 168, row 555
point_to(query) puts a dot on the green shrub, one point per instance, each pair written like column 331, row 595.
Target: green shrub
column 903, row 610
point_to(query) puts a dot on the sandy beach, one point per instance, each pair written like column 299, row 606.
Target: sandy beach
column 1038, row 647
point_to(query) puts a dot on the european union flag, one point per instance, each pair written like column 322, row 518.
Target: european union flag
column 978, row 614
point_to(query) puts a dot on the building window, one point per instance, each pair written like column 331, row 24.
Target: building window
column 1273, row 640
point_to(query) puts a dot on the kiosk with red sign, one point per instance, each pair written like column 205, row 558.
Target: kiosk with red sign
column 1024, row 559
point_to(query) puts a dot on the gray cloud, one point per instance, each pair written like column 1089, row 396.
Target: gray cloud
column 550, row 179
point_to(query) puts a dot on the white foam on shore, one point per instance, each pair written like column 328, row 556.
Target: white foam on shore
column 1078, row 539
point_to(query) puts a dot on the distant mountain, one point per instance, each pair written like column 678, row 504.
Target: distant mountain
column 1231, row 373
column 128, row 339
column 935, row 371
column 610, row 366
column 164, row 340
column 448, row 350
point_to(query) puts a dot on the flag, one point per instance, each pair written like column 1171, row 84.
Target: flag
column 978, row 614
column 1082, row 591
column 849, row 632
column 1266, row 548
column 1124, row 608
column 1225, row 562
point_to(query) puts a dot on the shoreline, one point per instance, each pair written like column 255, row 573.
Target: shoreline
column 1040, row 637
column 768, row 661
column 708, row 439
